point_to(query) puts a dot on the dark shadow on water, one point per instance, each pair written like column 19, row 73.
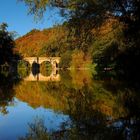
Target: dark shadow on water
column 7, row 82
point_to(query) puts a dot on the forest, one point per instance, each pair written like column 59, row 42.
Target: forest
column 98, row 90
column 104, row 34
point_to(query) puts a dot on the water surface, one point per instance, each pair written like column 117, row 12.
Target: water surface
column 69, row 105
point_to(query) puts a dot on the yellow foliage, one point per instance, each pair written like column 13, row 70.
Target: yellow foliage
column 80, row 60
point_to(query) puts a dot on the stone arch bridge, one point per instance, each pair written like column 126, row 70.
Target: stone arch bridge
column 38, row 60
column 54, row 76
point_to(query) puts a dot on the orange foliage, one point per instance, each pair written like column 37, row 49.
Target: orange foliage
column 33, row 42
column 108, row 26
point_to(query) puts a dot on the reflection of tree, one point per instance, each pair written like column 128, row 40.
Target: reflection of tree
column 23, row 69
column 6, row 92
column 6, row 78
column 104, row 103
column 37, row 131
column 43, row 94
column 95, row 109
column 80, row 78
column 46, row 68
column 65, row 96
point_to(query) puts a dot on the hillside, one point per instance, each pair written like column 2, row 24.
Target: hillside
column 77, row 48
column 36, row 42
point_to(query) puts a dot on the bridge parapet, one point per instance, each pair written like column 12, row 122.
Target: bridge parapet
column 31, row 60
column 49, row 59
column 39, row 60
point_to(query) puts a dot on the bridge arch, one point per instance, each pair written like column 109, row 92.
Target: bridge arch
column 25, row 62
column 53, row 60
column 23, row 68
column 31, row 60
column 39, row 77
column 46, row 68
column 35, row 63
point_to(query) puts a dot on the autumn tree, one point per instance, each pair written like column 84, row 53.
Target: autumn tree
column 86, row 15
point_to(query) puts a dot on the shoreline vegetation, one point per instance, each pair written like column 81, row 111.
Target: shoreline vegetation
column 107, row 39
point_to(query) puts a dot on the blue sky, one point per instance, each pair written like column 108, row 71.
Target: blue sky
column 15, row 15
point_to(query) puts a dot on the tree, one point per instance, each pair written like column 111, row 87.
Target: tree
column 129, row 8
column 3, row 26
column 6, row 45
column 90, row 13
column 86, row 15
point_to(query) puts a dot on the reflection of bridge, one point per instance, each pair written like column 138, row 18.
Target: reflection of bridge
column 38, row 60
column 39, row 77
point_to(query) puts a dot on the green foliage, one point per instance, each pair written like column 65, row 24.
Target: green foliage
column 23, row 73
column 66, row 59
column 46, row 68
column 80, row 59
column 108, row 31
column 108, row 42
column 23, row 69
column 77, row 59
column 6, row 45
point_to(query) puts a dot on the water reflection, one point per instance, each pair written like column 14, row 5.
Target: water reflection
column 35, row 73
column 15, row 123
column 88, row 108
column 54, row 76
column 7, row 93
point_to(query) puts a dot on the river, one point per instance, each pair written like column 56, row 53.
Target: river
column 69, row 105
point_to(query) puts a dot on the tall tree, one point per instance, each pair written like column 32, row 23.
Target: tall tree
column 6, row 44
